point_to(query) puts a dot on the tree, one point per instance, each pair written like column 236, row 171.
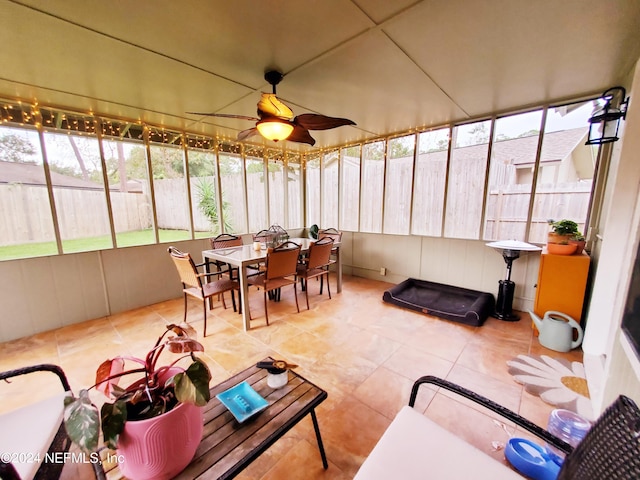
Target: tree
column 209, row 207
column 76, row 152
column 200, row 164
column 479, row 134
column 402, row 147
column 374, row 151
column 16, row 149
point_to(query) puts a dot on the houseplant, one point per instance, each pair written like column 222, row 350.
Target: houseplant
column 162, row 399
column 561, row 231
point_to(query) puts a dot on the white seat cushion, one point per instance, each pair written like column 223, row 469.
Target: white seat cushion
column 416, row 448
column 28, row 431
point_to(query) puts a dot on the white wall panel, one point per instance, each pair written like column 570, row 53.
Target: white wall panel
column 44, row 293
column 139, row 276
column 85, row 286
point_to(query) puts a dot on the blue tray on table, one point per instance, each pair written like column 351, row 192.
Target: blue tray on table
column 242, row 401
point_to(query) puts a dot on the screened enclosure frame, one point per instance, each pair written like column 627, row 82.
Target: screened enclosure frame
column 275, row 169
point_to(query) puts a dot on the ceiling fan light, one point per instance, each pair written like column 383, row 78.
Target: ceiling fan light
column 274, row 129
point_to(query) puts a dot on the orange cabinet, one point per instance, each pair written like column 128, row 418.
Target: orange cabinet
column 562, row 282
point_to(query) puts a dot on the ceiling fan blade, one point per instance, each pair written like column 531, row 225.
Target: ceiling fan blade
column 270, row 105
column 300, row 135
column 249, row 132
column 314, row 121
column 225, row 115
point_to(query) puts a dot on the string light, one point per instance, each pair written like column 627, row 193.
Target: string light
column 78, row 123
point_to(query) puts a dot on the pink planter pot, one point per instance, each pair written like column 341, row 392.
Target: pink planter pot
column 161, row 447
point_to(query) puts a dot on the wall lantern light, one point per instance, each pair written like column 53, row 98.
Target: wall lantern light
column 274, row 129
column 605, row 121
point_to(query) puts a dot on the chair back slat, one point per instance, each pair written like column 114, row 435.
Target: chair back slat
column 330, row 233
column 186, row 268
column 282, row 261
column 610, row 449
column 268, row 237
column 225, row 240
column 320, row 253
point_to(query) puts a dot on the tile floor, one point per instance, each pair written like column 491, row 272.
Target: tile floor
column 365, row 353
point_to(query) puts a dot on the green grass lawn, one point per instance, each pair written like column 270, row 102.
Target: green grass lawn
column 127, row 239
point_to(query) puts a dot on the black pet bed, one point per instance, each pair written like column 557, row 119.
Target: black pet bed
column 453, row 303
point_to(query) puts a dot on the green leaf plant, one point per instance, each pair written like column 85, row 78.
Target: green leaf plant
column 148, row 396
column 563, row 227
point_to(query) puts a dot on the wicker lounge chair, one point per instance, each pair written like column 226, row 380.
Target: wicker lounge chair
column 414, row 447
column 33, row 439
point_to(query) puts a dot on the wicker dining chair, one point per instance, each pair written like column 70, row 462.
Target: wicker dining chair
column 36, row 431
column 332, row 233
column 263, row 236
column 280, row 271
column 226, row 240
column 336, row 236
column 316, row 264
column 192, row 284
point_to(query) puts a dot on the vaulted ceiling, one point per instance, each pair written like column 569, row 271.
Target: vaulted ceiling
column 390, row 66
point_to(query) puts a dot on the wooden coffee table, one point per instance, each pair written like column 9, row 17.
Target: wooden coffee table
column 228, row 446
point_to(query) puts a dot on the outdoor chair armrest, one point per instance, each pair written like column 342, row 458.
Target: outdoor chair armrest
column 215, row 272
column 60, row 442
column 8, row 471
column 491, row 405
column 207, row 275
column 45, row 367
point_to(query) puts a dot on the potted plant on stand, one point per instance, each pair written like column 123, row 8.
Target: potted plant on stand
column 155, row 423
column 561, row 231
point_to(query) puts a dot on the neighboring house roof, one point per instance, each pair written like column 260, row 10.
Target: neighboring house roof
column 556, row 147
column 521, row 151
column 33, row 174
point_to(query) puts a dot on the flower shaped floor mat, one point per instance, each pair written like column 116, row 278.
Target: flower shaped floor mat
column 556, row 381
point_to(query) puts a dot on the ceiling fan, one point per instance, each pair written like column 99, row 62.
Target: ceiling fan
column 275, row 121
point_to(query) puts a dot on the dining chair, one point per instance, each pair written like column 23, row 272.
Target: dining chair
column 36, row 430
column 266, row 238
column 226, row 240
column 280, row 266
column 193, row 285
column 316, row 264
column 263, row 236
column 336, row 236
column 332, row 233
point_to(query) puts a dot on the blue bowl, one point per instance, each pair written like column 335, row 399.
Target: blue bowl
column 531, row 459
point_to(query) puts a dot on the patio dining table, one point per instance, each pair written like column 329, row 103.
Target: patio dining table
column 245, row 255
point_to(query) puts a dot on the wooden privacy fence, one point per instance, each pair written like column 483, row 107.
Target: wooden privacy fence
column 507, row 202
column 26, row 215
column 507, row 210
column 25, row 212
